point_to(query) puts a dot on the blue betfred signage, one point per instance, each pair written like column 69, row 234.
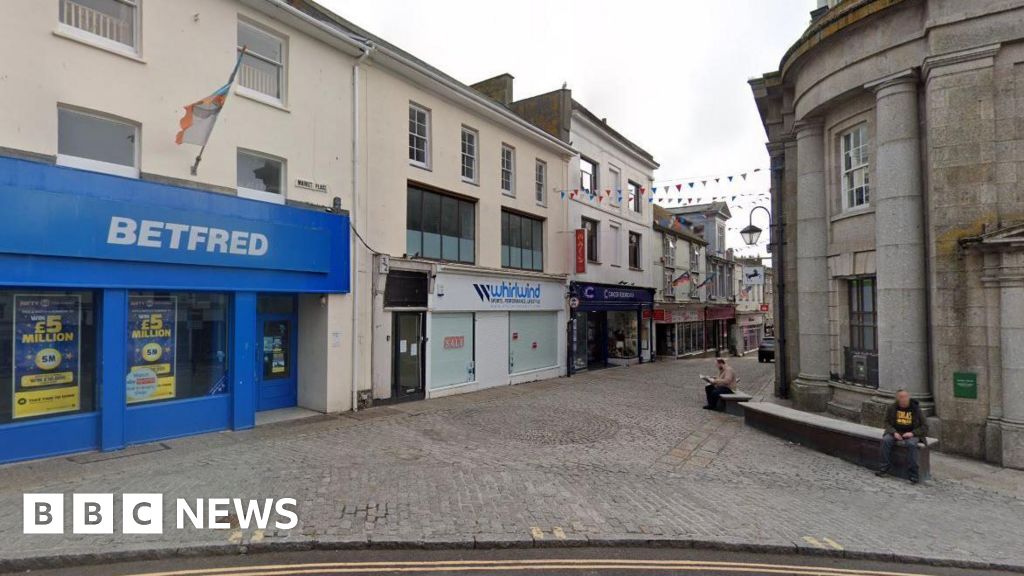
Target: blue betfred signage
column 66, row 227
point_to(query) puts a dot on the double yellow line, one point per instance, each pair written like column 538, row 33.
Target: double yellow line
column 550, row 565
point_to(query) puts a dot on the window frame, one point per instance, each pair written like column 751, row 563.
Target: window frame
column 616, row 184
column 616, row 244
column 540, row 182
column 475, row 178
column 510, row 170
column 81, row 34
column 461, row 203
column 506, row 222
column 849, row 191
column 593, row 256
column 282, row 66
column 101, row 166
column 860, row 319
column 261, row 195
column 635, row 201
column 638, row 263
column 594, row 183
column 668, row 291
column 425, row 164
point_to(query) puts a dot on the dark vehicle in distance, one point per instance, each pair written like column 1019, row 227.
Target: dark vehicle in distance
column 766, row 351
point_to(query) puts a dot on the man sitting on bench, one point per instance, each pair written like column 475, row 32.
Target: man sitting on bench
column 724, row 384
column 904, row 426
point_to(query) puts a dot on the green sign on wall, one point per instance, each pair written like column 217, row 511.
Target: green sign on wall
column 965, row 385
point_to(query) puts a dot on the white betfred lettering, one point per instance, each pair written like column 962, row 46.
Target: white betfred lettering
column 149, row 234
column 176, row 231
column 252, row 511
column 239, row 243
column 122, row 231
column 218, row 241
column 155, row 234
column 258, row 244
column 293, row 517
column 184, row 510
column 218, row 509
column 196, row 235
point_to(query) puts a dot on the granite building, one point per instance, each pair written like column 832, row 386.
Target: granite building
column 896, row 135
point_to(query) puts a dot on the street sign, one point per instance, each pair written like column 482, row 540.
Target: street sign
column 574, row 302
column 965, row 385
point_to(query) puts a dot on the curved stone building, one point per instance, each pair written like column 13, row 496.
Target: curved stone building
column 896, row 135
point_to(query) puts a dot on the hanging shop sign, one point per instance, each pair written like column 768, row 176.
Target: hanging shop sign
column 581, row 251
column 47, row 354
column 458, row 292
column 152, row 348
column 753, row 275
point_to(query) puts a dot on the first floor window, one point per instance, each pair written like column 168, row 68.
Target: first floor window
column 440, row 227
column 522, row 242
column 177, row 346
column 856, row 178
column 616, row 183
column 48, row 354
column 635, row 203
column 588, row 176
column 99, row 143
column 469, row 154
column 615, row 245
column 634, row 250
column 541, row 182
column 419, row 136
column 508, row 169
column 590, row 226
column 260, row 177
column 263, row 68
column 668, row 276
column 863, row 315
column 109, row 20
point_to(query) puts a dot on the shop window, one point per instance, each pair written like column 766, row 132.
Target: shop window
column 106, row 22
column 47, row 354
column 522, row 242
column 440, row 227
column 260, row 177
column 451, row 350
column 623, row 334
column 533, row 341
column 263, row 68
column 177, row 346
column 98, row 143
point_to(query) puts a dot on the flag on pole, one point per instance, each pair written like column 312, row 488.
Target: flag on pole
column 682, row 280
column 200, row 117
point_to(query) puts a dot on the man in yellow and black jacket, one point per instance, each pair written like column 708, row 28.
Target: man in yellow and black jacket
column 904, row 426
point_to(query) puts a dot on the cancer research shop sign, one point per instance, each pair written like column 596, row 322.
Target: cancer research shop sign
column 48, row 223
column 481, row 293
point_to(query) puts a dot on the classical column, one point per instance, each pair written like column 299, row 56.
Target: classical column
column 1011, row 343
column 896, row 195
column 810, row 390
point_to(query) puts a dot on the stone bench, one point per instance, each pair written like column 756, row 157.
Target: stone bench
column 731, row 402
column 852, row 442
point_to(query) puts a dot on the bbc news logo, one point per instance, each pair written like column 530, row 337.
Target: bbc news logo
column 144, row 513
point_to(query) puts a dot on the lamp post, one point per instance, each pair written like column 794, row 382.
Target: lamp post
column 752, row 233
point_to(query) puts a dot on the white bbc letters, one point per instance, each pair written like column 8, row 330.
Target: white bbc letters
column 43, row 513
column 142, row 514
column 92, row 513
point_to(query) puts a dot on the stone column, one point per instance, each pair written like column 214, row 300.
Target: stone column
column 810, row 390
column 896, row 195
column 1011, row 343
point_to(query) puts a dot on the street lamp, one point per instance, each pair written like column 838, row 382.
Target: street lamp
column 752, row 233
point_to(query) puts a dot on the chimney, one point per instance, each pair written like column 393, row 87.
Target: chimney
column 498, row 88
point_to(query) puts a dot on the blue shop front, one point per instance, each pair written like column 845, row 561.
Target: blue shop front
column 609, row 325
column 133, row 311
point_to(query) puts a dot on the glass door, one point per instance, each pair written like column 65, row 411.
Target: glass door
column 407, row 356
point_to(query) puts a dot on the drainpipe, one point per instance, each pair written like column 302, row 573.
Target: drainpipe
column 353, row 240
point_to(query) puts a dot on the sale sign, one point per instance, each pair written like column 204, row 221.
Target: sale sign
column 581, row 251
column 47, row 354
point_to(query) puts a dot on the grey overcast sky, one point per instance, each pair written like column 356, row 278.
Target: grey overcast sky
column 670, row 75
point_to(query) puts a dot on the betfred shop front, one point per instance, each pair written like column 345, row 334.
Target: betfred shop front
column 132, row 311
column 610, row 325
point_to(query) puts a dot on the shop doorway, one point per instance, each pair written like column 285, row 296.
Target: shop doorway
column 277, row 373
column 407, row 334
column 597, row 340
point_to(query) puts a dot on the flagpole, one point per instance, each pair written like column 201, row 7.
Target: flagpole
column 199, row 157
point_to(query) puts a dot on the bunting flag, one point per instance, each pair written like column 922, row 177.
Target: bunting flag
column 679, row 187
column 706, row 280
column 682, row 280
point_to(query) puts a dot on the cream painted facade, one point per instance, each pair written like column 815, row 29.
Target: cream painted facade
column 185, row 50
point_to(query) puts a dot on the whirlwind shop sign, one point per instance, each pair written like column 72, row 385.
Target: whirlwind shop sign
column 47, row 352
column 467, row 293
column 151, row 348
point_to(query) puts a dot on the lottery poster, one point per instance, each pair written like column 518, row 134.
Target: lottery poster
column 47, row 354
column 152, row 348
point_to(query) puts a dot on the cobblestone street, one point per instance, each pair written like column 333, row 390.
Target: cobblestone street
column 624, row 453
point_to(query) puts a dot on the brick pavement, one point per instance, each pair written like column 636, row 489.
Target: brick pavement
column 621, row 454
